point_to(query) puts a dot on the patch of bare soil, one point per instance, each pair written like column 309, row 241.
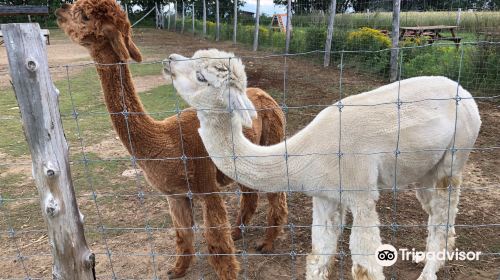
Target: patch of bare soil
column 110, row 147
column 306, row 84
column 60, row 52
column 146, row 83
column 11, row 165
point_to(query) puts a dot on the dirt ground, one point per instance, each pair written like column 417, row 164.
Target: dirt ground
column 306, row 84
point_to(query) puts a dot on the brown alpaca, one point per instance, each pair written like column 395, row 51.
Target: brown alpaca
column 102, row 27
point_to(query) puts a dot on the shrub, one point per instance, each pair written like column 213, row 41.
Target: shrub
column 315, row 38
column 369, row 42
column 367, row 38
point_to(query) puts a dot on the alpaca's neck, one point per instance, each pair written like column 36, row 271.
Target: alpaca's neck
column 263, row 168
column 127, row 112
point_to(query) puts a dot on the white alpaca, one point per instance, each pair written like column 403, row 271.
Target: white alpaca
column 344, row 158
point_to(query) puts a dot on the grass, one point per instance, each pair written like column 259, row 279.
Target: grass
column 95, row 125
column 469, row 21
column 479, row 67
column 83, row 94
column 86, row 99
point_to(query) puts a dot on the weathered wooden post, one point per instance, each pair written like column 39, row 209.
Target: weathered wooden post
column 175, row 16
column 256, row 31
column 38, row 103
column 394, row 75
column 162, row 18
column 217, row 19
column 157, row 23
column 235, row 24
column 329, row 36
column 168, row 13
column 192, row 16
column 204, row 18
column 159, row 16
column 288, row 25
column 183, row 16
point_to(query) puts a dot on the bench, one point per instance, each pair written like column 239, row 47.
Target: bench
column 454, row 39
column 45, row 33
column 28, row 10
column 23, row 10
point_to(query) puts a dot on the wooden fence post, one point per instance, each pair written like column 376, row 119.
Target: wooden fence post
column 329, row 36
column 175, row 16
column 217, row 19
column 192, row 16
column 168, row 13
column 394, row 75
column 162, row 17
column 38, row 103
column 256, row 31
column 288, row 25
column 204, row 18
column 235, row 24
column 183, row 16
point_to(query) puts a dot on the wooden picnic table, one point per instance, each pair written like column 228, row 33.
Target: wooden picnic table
column 434, row 33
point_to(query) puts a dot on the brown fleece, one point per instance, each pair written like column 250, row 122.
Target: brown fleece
column 361, row 273
column 103, row 28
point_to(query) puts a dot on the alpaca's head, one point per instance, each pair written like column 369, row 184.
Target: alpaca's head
column 212, row 80
column 98, row 24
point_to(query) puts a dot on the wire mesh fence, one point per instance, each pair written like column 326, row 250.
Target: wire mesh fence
column 127, row 221
column 310, row 20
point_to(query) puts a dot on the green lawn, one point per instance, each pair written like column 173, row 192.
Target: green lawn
column 83, row 93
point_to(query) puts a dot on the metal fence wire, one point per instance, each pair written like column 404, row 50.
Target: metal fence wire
column 127, row 223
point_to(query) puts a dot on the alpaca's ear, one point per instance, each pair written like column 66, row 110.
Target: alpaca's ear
column 133, row 50
column 242, row 107
column 117, row 42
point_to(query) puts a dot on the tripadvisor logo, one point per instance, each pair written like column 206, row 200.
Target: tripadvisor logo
column 387, row 255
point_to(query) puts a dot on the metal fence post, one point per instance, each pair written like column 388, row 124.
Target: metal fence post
column 38, row 103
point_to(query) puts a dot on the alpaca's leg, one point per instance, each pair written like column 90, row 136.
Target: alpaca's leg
column 181, row 212
column 328, row 216
column 277, row 216
column 218, row 236
column 248, row 205
column 440, row 201
column 364, row 240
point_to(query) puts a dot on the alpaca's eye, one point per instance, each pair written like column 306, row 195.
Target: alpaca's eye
column 200, row 77
column 85, row 17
